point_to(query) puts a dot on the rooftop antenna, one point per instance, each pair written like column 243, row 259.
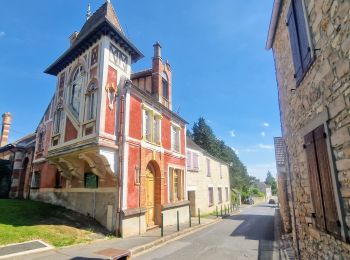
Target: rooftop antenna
column 88, row 12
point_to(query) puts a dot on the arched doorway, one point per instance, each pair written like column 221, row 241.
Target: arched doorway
column 150, row 195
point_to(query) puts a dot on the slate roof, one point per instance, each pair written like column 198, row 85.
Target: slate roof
column 192, row 145
column 142, row 73
column 103, row 22
column 106, row 11
column 22, row 143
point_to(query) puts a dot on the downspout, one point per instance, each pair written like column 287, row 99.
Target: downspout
column 121, row 167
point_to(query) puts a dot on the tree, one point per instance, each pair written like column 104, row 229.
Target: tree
column 203, row 135
column 270, row 180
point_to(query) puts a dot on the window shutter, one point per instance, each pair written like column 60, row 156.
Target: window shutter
column 195, row 161
column 314, row 180
column 304, row 45
column 331, row 214
column 189, row 160
column 293, row 36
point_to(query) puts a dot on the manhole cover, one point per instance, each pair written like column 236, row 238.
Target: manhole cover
column 20, row 248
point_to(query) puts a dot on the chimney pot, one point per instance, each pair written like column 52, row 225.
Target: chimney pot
column 157, row 50
column 6, row 122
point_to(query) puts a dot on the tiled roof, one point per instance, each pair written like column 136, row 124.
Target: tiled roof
column 190, row 144
column 280, row 150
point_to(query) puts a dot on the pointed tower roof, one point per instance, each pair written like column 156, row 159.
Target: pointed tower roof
column 103, row 22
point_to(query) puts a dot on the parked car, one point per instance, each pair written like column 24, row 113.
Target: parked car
column 249, row 201
column 272, row 201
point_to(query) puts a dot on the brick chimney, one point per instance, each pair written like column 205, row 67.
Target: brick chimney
column 157, row 65
column 6, row 122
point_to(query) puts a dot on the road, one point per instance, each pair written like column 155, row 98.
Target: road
column 249, row 235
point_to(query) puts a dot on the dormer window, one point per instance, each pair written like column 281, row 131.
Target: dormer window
column 75, row 91
column 165, row 86
column 91, row 101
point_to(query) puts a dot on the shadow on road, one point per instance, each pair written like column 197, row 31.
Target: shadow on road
column 257, row 227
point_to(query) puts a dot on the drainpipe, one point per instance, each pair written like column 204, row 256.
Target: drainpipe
column 121, row 140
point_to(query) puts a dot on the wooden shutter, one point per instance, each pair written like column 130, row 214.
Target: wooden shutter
column 293, row 36
column 189, row 160
column 330, row 209
column 304, row 45
column 314, row 180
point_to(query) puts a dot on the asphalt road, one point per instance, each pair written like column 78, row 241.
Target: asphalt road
column 249, row 235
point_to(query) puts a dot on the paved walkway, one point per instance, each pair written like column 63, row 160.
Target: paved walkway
column 248, row 235
column 135, row 244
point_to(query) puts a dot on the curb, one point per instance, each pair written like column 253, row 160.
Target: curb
column 175, row 236
column 152, row 245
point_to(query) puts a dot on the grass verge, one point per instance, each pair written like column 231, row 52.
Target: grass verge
column 23, row 220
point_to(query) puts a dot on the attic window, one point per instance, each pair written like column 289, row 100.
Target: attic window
column 165, row 86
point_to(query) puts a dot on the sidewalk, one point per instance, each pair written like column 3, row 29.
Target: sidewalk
column 135, row 244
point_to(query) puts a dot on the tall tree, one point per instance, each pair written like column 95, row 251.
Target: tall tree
column 271, row 181
column 204, row 136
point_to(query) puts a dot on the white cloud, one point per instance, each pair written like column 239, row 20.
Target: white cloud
column 249, row 150
column 232, row 133
column 266, row 124
column 265, row 146
column 260, row 170
column 2, row 34
column 263, row 134
column 235, row 150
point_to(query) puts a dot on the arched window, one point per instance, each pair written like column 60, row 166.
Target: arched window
column 75, row 91
column 165, row 86
column 57, row 121
column 90, row 102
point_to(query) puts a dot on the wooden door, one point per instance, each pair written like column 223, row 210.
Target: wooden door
column 149, row 185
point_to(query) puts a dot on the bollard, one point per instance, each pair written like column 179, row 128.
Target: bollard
column 217, row 212
column 177, row 216
column 189, row 217
column 199, row 216
column 221, row 211
column 162, row 226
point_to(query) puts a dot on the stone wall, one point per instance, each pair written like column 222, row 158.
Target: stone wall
column 325, row 90
column 199, row 182
column 98, row 204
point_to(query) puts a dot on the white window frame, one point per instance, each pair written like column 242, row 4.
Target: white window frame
column 208, row 168
column 91, row 107
column 177, row 128
column 155, row 120
column 77, row 80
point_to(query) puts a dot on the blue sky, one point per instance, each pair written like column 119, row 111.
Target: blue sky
column 221, row 70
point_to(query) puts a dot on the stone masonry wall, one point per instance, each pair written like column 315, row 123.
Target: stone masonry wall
column 325, row 87
column 199, row 182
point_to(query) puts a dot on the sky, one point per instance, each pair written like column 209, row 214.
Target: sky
column 221, row 70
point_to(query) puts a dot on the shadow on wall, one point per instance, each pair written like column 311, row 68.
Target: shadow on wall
column 260, row 228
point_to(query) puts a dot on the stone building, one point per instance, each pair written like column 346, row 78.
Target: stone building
column 208, row 181
column 109, row 145
column 311, row 48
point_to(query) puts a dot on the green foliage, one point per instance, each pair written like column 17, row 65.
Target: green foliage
column 24, row 220
column 270, row 180
column 203, row 135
